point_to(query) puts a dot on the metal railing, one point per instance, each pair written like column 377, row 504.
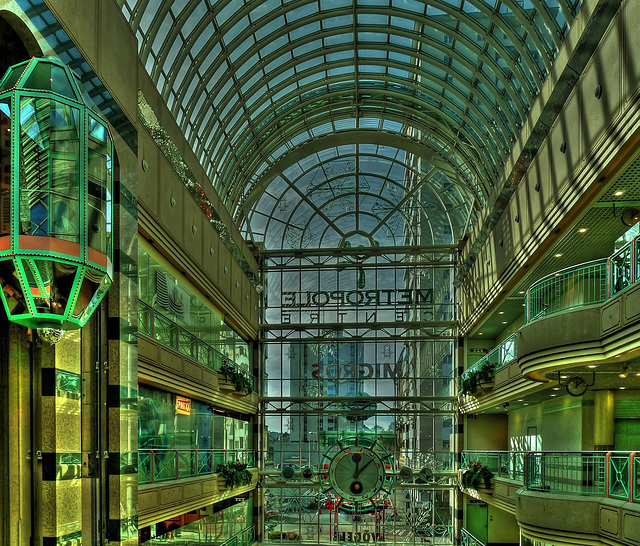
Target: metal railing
column 574, row 286
column 243, row 538
column 578, row 472
column 584, row 284
column 623, row 476
column 158, row 465
column 499, row 356
column 505, row 464
column 154, row 324
column 467, row 539
column 614, row 474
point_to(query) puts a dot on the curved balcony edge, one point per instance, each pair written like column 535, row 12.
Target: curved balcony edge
column 577, row 518
column 590, row 334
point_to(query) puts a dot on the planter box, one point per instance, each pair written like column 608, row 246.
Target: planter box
column 225, row 384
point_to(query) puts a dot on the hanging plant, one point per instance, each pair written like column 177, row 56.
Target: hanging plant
column 235, row 474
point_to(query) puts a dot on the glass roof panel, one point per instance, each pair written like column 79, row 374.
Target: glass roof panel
column 256, row 80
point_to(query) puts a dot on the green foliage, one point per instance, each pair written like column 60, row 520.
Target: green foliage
column 235, row 473
column 240, row 381
column 471, row 379
column 477, row 474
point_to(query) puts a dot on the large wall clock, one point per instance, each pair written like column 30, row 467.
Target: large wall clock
column 357, row 474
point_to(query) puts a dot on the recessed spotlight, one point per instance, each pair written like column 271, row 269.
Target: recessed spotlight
column 622, row 388
column 524, row 305
column 521, row 292
column 480, row 333
column 582, row 230
column 564, row 377
column 519, row 399
column 553, row 395
column 504, row 322
column 525, row 404
column 592, row 366
column 556, row 388
column 500, row 312
column 618, row 193
column 617, row 356
column 622, row 375
column 558, row 255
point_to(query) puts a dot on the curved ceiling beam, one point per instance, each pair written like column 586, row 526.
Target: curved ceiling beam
column 331, row 141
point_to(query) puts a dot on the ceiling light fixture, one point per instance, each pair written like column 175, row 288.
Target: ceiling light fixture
column 592, row 366
column 582, row 230
column 618, row 193
column 558, row 255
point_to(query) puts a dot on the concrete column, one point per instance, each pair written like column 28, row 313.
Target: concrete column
column 604, row 422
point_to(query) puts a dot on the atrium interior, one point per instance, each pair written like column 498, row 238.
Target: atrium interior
column 319, row 272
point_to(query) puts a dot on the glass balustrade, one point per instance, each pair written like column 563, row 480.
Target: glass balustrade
column 154, row 324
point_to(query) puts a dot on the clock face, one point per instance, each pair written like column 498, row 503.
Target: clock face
column 357, row 474
column 576, row 386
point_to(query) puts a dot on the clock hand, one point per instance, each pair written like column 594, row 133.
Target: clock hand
column 359, row 471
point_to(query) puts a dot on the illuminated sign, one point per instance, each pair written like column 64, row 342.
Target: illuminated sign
column 183, row 406
column 357, row 297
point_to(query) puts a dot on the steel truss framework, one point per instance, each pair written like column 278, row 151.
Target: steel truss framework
column 249, row 82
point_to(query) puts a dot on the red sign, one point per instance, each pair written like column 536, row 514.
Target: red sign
column 183, row 406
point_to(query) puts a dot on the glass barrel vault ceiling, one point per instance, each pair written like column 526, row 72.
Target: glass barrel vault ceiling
column 260, row 86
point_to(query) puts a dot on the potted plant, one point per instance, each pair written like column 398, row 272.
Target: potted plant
column 235, row 473
column 241, row 381
column 477, row 475
column 476, row 379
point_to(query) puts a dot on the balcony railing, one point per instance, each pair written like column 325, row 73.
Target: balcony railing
column 574, row 286
column 612, row 474
column 505, row 464
column 486, row 367
column 584, row 284
column 159, row 465
column 500, row 355
column 467, row 539
column 154, row 324
column 243, row 538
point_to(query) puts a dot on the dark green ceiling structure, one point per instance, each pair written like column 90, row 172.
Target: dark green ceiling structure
column 369, row 122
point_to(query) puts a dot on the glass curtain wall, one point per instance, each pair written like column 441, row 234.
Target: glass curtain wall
column 359, row 346
column 182, row 320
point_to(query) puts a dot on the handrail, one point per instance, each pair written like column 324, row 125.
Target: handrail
column 163, row 464
column 621, row 270
column 248, row 533
column 505, row 354
column 554, row 296
column 612, row 474
column 187, row 343
column 467, row 539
